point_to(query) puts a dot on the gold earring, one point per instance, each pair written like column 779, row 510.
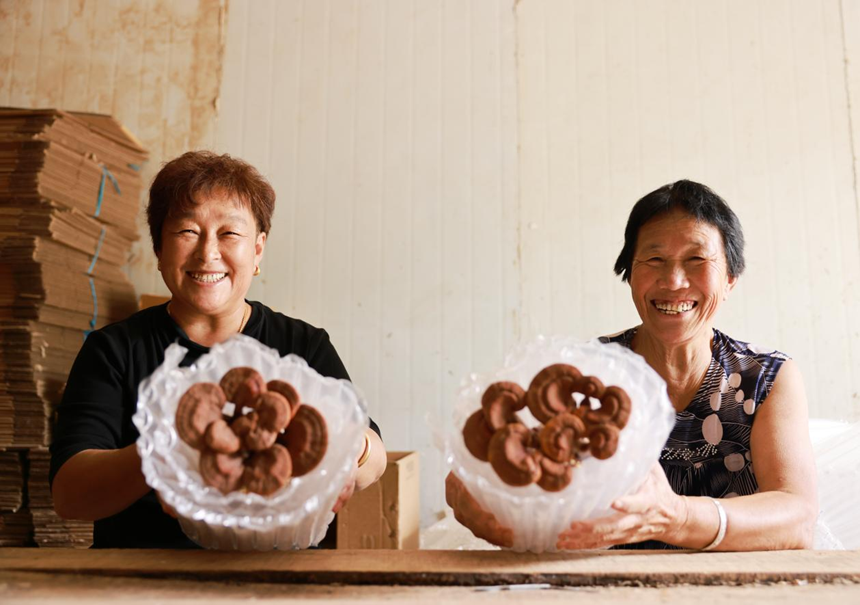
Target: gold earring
column 159, row 266
column 256, row 270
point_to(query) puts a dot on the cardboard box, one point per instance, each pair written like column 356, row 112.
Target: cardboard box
column 386, row 514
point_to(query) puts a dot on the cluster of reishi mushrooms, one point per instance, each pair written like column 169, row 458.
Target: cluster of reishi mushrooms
column 271, row 436
column 548, row 454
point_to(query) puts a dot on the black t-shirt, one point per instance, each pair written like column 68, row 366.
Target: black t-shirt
column 101, row 398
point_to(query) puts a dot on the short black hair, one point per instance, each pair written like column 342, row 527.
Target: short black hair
column 698, row 201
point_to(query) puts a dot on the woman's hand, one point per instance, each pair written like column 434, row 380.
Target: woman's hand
column 469, row 513
column 653, row 512
column 347, row 491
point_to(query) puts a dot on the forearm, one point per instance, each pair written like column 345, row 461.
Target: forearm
column 772, row 520
column 372, row 470
column 95, row 484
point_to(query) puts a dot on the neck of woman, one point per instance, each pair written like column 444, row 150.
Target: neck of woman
column 682, row 365
column 206, row 329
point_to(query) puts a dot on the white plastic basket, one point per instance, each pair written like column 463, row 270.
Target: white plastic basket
column 537, row 516
column 294, row 517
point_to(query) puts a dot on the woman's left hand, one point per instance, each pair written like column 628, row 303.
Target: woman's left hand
column 653, row 512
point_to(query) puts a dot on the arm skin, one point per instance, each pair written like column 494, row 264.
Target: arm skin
column 367, row 474
column 95, row 484
column 780, row 516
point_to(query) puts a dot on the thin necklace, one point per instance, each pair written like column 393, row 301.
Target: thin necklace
column 245, row 317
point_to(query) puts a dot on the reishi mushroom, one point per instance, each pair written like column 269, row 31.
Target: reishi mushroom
column 306, row 438
column 512, row 458
column 500, row 403
column 547, row 455
column 200, row 406
column 241, row 452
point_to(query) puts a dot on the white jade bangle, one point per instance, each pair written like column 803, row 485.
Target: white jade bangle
column 721, row 533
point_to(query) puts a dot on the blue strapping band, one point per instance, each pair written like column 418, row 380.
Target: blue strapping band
column 95, row 308
column 105, row 173
column 96, row 253
column 135, row 167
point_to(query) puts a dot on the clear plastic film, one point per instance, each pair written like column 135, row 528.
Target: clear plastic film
column 537, row 516
column 294, row 517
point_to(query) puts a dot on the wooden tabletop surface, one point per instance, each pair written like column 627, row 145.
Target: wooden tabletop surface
column 33, row 574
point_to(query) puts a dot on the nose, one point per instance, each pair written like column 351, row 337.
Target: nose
column 207, row 248
column 673, row 276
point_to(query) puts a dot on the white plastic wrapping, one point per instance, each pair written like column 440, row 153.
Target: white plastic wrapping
column 294, row 517
column 537, row 516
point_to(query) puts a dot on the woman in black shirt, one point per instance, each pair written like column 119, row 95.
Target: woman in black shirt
column 209, row 217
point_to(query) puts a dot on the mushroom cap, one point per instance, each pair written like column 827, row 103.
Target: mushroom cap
column 615, row 407
column 551, row 391
column 555, row 476
column 199, row 407
column 243, row 386
column 267, row 471
column 219, row 437
column 221, row 471
column 477, row 434
column 254, row 435
column 288, row 392
column 274, row 411
column 511, row 458
column 560, row 437
column 590, row 386
column 306, row 438
column 603, row 440
column 500, row 402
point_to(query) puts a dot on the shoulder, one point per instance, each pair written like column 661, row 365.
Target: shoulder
column 726, row 345
column 624, row 338
column 285, row 333
column 118, row 338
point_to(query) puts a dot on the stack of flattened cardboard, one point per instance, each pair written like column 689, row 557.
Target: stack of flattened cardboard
column 48, row 528
column 69, row 200
column 16, row 525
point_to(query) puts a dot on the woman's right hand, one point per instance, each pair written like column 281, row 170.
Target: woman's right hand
column 470, row 514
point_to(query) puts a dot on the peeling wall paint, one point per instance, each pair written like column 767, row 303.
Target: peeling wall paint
column 154, row 64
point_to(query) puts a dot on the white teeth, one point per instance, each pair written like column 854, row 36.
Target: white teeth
column 674, row 308
column 207, row 278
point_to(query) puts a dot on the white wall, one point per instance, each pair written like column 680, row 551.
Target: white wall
column 454, row 176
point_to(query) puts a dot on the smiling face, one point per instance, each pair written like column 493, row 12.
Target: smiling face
column 208, row 256
column 679, row 277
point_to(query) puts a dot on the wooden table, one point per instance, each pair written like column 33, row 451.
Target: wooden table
column 99, row 576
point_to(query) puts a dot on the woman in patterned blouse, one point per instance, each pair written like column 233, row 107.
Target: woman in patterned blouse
column 737, row 472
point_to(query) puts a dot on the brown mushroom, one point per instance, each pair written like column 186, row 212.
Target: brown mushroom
column 555, row 476
column 602, row 440
column 288, row 392
column 267, row 471
column 221, row 471
column 560, row 437
column 614, row 408
column 477, row 434
column 591, row 387
column 199, row 407
column 306, row 438
column 219, row 437
column 551, row 391
column 500, row 403
column 511, row 458
column 243, row 386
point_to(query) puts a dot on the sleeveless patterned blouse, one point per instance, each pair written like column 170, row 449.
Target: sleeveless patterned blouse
column 708, row 450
